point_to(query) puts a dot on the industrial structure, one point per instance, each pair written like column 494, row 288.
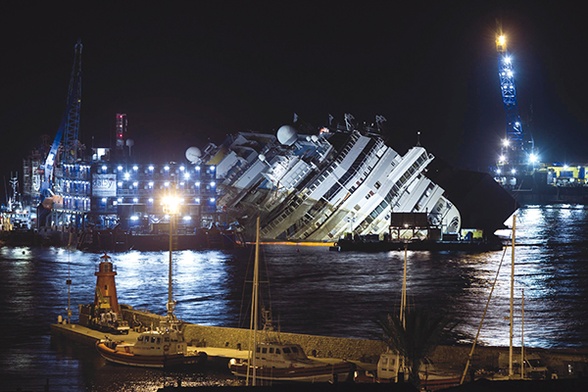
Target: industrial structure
column 306, row 184
column 517, row 156
column 103, row 189
column 518, row 167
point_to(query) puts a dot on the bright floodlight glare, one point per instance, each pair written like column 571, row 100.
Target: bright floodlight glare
column 171, row 203
column 505, row 142
column 514, row 171
column 533, row 158
column 501, row 158
column 502, row 39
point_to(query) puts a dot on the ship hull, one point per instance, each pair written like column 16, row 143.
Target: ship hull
column 127, row 358
column 424, row 245
column 314, row 373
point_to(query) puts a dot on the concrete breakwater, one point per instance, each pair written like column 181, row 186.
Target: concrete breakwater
column 237, row 338
column 564, row 362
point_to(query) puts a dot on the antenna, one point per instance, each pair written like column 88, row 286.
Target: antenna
column 380, row 120
column 348, row 121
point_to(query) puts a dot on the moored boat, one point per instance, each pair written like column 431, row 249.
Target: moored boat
column 164, row 347
column 389, row 370
column 283, row 362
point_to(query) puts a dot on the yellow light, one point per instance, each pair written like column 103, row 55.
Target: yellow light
column 501, row 43
column 171, row 203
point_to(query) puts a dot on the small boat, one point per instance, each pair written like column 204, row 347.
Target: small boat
column 389, row 369
column 277, row 361
column 164, row 347
column 283, row 362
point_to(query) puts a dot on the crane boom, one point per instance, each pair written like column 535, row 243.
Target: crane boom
column 514, row 127
column 67, row 133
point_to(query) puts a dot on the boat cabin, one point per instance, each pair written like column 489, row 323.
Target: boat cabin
column 279, row 355
column 158, row 343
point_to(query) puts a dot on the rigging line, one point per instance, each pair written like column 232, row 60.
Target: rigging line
column 470, row 355
column 266, row 280
column 244, row 310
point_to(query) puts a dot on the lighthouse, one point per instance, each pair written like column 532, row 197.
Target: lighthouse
column 104, row 313
column 105, row 298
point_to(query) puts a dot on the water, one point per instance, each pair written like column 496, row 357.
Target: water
column 311, row 291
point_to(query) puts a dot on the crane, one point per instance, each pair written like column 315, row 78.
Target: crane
column 67, row 133
column 514, row 152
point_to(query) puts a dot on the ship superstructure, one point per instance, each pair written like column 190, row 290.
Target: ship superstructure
column 323, row 186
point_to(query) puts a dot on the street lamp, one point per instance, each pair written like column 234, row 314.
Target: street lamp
column 171, row 206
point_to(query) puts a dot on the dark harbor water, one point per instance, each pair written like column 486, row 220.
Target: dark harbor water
column 312, row 291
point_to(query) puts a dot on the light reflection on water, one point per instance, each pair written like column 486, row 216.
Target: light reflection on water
column 311, row 291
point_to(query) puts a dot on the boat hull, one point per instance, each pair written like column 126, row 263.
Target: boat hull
column 429, row 383
column 315, row 373
column 151, row 361
column 424, row 245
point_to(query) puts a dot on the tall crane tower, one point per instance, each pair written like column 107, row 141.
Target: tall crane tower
column 517, row 153
column 65, row 145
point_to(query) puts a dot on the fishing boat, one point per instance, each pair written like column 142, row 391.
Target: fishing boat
column 273, row 360
column 162, row 347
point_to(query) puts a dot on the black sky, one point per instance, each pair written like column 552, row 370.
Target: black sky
column 186, row 72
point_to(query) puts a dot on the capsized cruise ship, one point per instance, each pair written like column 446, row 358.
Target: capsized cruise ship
column 321, row 186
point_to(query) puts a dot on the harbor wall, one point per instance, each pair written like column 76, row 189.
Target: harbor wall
column 453, row 357
column 238, row 338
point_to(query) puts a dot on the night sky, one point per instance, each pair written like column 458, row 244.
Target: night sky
column 186, row 72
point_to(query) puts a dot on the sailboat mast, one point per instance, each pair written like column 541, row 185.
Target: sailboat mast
column 169, row 274
column 254, row 311
column 403, row 295
column 400, row 358
column 511, row 318
column 522, row 334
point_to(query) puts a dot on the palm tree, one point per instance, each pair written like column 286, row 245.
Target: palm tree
column 414, row 338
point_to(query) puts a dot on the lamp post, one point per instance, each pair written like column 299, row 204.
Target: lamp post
column 171, row 206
